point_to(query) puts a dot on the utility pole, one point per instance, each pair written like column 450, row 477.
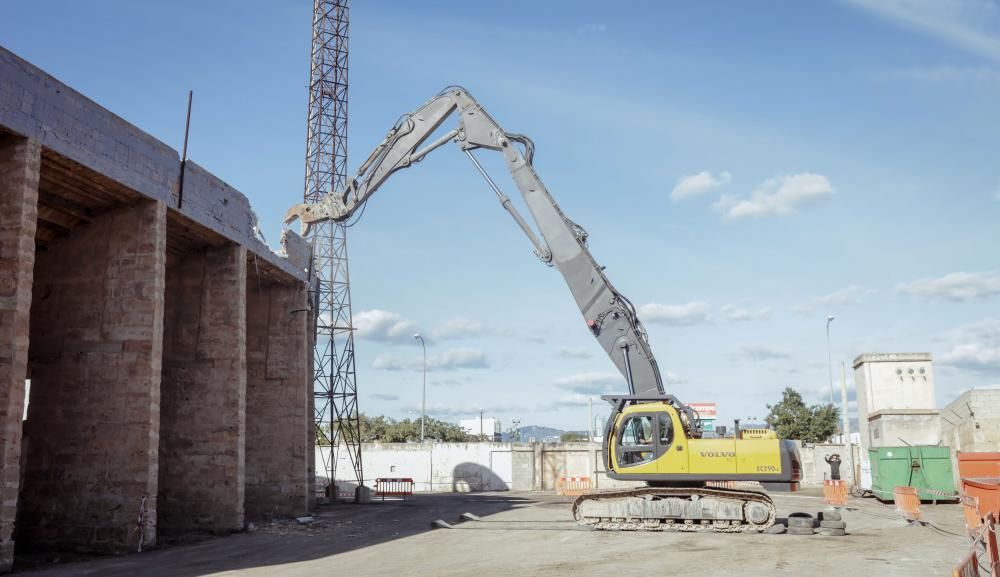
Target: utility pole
column 829, row 361
column 481, row 434
column 423, row 396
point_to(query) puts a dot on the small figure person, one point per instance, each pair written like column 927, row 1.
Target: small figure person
column 834, row 462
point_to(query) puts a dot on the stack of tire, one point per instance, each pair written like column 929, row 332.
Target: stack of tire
column 830, row 524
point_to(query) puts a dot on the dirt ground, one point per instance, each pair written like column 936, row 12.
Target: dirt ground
column 534, row 534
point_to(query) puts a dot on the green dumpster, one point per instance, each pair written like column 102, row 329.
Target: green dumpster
column 925, row 468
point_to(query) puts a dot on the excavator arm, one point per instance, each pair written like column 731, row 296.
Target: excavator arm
column 610, row 316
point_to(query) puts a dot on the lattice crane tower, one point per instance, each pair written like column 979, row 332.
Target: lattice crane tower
column 334, row 377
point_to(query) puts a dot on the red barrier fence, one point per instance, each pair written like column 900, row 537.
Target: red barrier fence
column 393, row 487
column 984, row 553
column 907, row 503
column 835, row 492
column 573, row 486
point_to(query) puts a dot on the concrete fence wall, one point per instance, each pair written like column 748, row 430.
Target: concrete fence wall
column 464, row 467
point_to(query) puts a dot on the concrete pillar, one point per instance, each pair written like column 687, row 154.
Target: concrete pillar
column 279, row 455
column 203, row 392
column 93, row 422
column 19, row 166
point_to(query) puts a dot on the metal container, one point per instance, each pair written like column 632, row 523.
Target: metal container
column 925, row 468
column 978, row 464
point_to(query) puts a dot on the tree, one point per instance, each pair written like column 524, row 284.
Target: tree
column 571, row 436
column 793, row 419
column 389, row 430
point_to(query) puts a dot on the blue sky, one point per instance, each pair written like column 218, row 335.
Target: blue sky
column 743, row 170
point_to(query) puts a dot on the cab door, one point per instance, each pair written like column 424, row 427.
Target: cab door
column 671, row 444
column 635, row 444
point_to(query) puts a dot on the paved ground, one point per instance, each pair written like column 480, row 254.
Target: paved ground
column 534, row 534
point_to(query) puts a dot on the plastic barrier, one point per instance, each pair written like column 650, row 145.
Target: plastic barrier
column 573, row 486
column 986, row 491
column 393, row 487
column 970, row 509
column 907, row 503
column 983, row 552
column 835, row 492
column 968, row 567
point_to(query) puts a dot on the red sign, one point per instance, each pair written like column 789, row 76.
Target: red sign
column 705, row 410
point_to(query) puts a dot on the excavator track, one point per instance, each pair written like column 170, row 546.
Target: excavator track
column 690, row 509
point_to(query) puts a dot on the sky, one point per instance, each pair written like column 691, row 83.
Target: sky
column 743, row 169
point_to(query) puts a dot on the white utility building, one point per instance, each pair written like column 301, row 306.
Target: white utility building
column 896, row 403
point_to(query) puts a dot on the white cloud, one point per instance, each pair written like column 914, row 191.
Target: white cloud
column 781, row 196
column 975, row 347
column 851, row 295
column 586, row 385
column 464, row 409
column 457, row 328
column 446, row 361
column 387, row 326
column 760, row 352
column 735, row 313
column 956, row 286
column 697, row 184
column 687, row 314
column 974, row 356
column 971, row 25
column 574, row 353
column 385, row 396
column 459, row 359
column 593, row 383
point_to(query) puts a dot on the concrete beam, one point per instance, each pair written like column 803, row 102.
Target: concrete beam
column 203, row 393
column 36, row 105
column 92, row 432
column 19, row 169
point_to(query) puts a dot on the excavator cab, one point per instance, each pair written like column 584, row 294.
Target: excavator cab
column 657, row 439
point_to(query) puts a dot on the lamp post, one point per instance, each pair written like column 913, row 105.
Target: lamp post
column 423, row 396
column 829, row 361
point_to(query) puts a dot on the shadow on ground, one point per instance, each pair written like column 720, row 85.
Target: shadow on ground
column 338, row 528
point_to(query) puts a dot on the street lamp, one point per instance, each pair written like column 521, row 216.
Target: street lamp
column 423, row 396
column 829, row 361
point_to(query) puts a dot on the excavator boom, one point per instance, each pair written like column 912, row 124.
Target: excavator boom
column 651, row 436
column 559, row 242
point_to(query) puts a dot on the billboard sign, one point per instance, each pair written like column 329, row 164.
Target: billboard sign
column 705, row 410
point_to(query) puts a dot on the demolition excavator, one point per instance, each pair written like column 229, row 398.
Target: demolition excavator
column 691, row 483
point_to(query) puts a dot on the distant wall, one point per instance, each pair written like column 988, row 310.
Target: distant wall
column 464, row 467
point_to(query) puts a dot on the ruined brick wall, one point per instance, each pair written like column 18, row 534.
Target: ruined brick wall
column 278, row 453
column 95, row 353
column 203, row 392
column 19, row 166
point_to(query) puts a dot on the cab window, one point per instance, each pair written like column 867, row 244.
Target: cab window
column 665, row 428
column 636, row 441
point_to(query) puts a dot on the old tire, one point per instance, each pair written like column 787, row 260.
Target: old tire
column 776, row 529
column 830, row 516
column 831, row 532
column 800, row 522
column 800, row 531
column 832, row 524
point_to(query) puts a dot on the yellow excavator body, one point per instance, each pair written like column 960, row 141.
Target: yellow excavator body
column 692, row 484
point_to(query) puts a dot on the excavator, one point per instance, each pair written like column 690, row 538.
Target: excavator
column 691, row 483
